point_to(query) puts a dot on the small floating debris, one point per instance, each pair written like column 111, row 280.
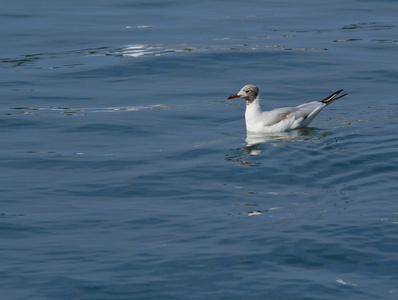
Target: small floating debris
column 138, row 26
column 341, row 281
column 252, row 213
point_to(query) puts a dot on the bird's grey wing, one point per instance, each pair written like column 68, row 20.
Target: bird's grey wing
column 307, row 109
column 302, row 111
column 276, row 115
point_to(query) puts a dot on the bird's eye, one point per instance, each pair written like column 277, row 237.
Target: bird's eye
column 248, row 91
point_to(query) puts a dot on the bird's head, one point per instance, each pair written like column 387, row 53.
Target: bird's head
column 248, row 92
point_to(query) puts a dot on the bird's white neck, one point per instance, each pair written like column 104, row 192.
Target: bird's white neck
column 253, row 114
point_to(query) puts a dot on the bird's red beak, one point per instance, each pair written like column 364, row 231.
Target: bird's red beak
column 233, row 96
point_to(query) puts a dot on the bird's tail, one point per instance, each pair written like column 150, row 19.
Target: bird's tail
column 333, row 97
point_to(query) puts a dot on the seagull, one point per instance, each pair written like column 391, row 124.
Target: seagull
column 280, row 119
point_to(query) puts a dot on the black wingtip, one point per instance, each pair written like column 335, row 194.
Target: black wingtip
column 333, row 97
column 340, row 96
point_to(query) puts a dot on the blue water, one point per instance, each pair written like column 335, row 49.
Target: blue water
column 126, row 174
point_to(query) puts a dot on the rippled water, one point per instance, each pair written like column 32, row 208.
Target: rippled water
column 126, row 174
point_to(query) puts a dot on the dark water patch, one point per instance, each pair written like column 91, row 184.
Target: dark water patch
column 368, row 26
column 49, row 160
column 16, row 123
column 4, row 215
column 31, row 59
column 104, row 129
column 347, row 40
column 15, row 230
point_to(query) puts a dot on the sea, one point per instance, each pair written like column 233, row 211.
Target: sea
column 126, row 173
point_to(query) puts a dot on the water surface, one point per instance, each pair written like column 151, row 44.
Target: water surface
column 126, row 174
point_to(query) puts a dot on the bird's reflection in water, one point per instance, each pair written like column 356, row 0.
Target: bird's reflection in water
column 256, row 141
